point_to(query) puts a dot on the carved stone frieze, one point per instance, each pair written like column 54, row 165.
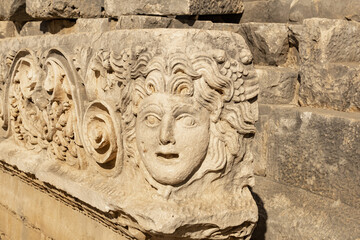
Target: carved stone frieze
column 153, row 126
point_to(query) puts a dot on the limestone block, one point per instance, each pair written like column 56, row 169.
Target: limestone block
column 153, row 128
column 275, row 11
column 142, row 22
column 291, row 213
column 333, row 85
column 43, row 212
column 94, row 25
column 313, row 149
column 303, row 9
column 277, row 84
column 187, row 23
column 327, row 40
column 268, row 42
column 115, row 8
column 330, row 55
column 255, row 11
column 48, row 9
column 7, row 29
column 33, row 28
column 13, row 10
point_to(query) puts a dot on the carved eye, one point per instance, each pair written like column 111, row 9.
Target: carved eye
column 152, row 120
column 187, row 120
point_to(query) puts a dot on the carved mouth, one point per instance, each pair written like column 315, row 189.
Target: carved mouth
column 167, row 155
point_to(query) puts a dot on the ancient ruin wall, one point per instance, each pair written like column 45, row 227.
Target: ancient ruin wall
column 304, row 154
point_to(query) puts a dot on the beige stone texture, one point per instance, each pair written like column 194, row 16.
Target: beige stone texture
column 291, row 213
column 327, row 40
column 33, row 28
column 313, row 149
column 278, row 85
column 50, row 9
column 7, row 29
column 32, row 210
column 268, row 42
column 266, row 11
column 116, row 8
column 333, row 9
column 329, row 51
column 142, row 22
column 153, row 127
column 338, row 89
column 13, row 10
column 94, row 25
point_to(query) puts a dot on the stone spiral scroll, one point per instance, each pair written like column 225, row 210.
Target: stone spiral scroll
column 101, row 136
column 156, row 130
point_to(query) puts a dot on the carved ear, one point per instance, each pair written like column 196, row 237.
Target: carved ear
column 101, row 135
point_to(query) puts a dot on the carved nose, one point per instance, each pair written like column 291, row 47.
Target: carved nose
column 166, row 131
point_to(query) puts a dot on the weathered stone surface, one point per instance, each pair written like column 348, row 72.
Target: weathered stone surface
column 48, row 9
column 255, row 11
column 13, row 10
column 277, row 84
column 187, row 23
column 291, row 213
column 7, row 29
column 330, row 56
column 94, row 25
column 327, row 40
column 142, row 22
column 115, row 8
column 313, row 149
column 275, row 11
column 333, row 85
column 33, row 28
column 43, row 212
column 302, row 9
column 153, row 127
column 268, row 42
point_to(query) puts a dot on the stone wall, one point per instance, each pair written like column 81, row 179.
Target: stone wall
column 307, row 146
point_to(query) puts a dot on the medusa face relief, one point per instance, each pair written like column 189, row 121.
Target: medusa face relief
column 172, row 136
column 177, row 100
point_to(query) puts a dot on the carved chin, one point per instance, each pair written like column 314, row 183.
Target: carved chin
column 171, row 169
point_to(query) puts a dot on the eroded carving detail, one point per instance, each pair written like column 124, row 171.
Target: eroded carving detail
column 164, row 133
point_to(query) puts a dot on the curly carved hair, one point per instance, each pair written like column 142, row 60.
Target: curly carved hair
column 222, row 85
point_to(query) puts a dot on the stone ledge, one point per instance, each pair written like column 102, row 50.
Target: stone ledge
column 61, row 217
column 50, row 9
column 115, row 8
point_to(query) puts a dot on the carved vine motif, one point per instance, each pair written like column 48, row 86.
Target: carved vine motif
column 45, row 103
column 64, row 140
column 26, row 121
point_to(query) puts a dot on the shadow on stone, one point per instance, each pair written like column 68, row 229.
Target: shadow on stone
column 260, row 229
column 56, row 26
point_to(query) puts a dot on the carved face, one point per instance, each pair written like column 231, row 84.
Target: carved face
column 172, row 134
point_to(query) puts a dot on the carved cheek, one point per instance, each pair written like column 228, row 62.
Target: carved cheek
column 147, row 137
